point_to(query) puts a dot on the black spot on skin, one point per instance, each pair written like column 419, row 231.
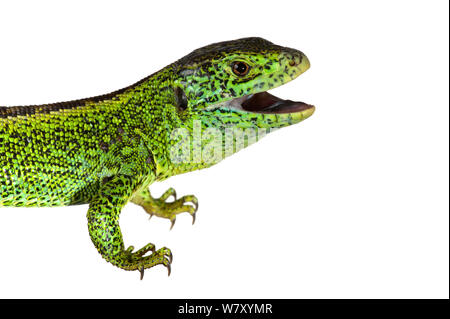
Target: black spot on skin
column 180, row 99
column 103, row 146
column 106, row 179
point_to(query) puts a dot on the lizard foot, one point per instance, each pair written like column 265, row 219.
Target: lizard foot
column 137, row 260
column 162, row 208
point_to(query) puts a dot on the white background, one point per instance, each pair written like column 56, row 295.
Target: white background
column 353, row 202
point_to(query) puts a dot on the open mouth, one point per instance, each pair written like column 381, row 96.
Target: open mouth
column 265, row 102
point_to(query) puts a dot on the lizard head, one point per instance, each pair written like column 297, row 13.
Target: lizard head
column 226, row 84
column 221, row 89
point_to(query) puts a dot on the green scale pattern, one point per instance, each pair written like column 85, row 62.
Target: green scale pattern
column 105, row 151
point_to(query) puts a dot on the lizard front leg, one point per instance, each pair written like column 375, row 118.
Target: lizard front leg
column 104, row 229
column 161, row 208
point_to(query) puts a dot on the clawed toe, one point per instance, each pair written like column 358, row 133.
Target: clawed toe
column 169, row 210
column 162, row 208
column 161, row 256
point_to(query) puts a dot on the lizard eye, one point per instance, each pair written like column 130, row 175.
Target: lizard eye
column 181, row 99
column 240, row 68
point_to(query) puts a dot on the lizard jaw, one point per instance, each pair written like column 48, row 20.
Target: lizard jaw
column 266, row 103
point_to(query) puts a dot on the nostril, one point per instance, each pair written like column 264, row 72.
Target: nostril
column 292, row 63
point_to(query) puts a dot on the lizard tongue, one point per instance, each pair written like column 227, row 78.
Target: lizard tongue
column 265, row 102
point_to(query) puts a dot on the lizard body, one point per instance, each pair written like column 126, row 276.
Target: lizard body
column 105, row 151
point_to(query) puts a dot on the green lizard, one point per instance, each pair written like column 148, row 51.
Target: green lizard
column 105, row 151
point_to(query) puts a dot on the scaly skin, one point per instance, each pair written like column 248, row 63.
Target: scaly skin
column 107, row 150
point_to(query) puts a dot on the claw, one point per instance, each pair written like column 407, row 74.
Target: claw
column 170, row 258
column 141, row 270
column 196, row 207
column 169, row 269
column 193, row 218
column 173, row 223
